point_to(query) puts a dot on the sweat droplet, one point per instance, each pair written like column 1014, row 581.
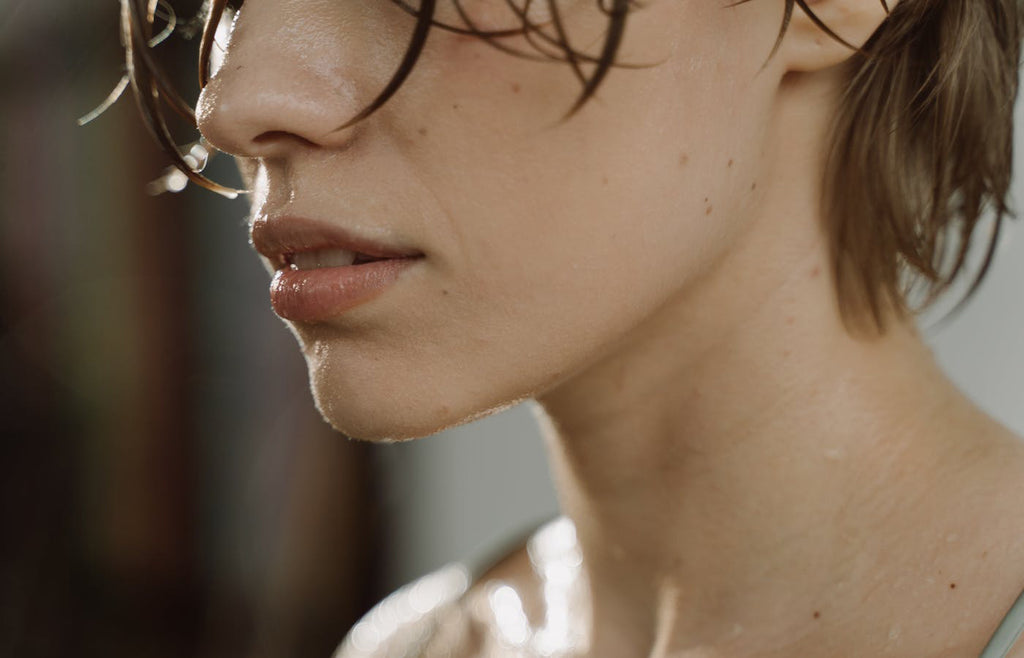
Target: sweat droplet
column 173, row 180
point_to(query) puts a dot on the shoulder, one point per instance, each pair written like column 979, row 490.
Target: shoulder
column 450, row 612
column 402, row 625
column 977, row 528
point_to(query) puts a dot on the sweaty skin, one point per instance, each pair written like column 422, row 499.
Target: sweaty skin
column 746, row 476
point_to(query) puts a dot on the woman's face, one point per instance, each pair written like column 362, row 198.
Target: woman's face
column 545, row 244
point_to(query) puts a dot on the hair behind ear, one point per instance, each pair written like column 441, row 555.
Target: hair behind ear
column 922, row 148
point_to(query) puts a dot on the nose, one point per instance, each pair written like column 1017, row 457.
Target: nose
column 284, row 83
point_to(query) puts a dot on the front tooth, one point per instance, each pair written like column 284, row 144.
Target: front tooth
column 312, row 260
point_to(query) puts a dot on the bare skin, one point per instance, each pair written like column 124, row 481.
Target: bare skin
column 747, row 477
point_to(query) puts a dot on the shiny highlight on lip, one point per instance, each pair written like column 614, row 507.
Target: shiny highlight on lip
column 319, row 295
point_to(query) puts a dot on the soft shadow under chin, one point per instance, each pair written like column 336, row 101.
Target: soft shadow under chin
column 384, row 427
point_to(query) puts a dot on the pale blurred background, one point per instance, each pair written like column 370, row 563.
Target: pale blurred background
column 167, row 488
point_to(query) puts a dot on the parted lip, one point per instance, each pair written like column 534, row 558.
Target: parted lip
column 278, row 237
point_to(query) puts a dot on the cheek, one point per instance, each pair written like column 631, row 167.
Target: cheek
column 580, row 244
column 496, row 15
column 550, row 242
column 616, row 205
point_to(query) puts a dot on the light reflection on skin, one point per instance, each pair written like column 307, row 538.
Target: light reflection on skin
column 408, row 617
column 556, row 558
column 405, row 623
column 509, row 616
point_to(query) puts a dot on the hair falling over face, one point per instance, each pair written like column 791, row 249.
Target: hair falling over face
column 549, row 42
column 920, row 151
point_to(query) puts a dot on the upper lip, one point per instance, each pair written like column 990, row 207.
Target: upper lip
column 278, row 237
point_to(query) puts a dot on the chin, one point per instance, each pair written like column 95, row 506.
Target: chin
column 388, row 413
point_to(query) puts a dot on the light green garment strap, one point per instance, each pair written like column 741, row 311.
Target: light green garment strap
column 1007, row 633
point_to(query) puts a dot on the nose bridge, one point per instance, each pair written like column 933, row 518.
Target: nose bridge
column 287, row 77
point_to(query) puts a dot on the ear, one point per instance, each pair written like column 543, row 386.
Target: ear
column 823, row 33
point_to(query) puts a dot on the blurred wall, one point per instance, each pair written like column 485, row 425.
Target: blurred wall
column 166, row 487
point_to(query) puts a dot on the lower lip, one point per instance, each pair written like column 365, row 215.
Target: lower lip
column 322, row 294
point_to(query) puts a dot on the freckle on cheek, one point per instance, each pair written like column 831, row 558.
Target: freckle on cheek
column 709, row 210
column 730, row 163
column 683, row 159
column 515, row 87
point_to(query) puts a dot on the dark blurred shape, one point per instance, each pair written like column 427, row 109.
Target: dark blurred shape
column 167, row 488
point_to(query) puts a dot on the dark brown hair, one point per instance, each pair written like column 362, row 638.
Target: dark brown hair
column 921, row 150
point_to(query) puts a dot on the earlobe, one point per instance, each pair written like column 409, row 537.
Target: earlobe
column 824, row 33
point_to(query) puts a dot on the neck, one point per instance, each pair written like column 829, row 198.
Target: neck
column 735, row 474
column 744, row 472
column 753, row 473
